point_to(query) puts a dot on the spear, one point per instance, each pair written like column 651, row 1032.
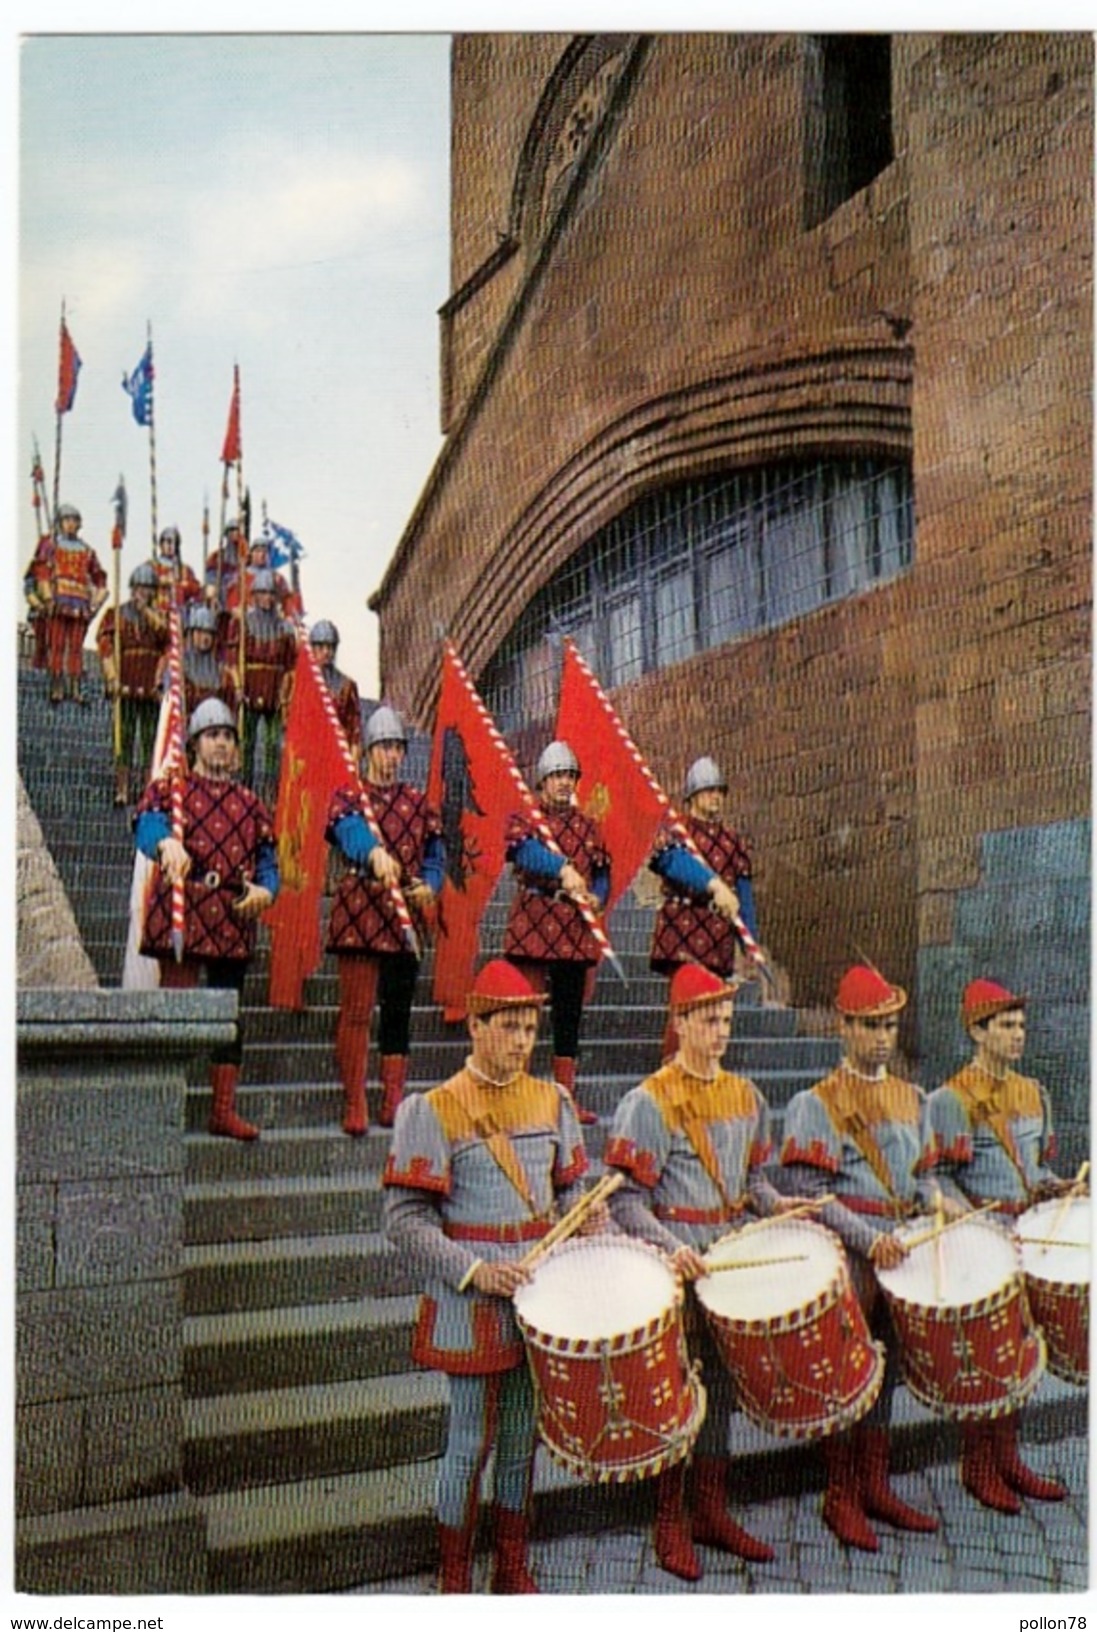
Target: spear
column 396, row 894
column 40, row 498
column 671, row 816
column 117, row 538
column 535, row 814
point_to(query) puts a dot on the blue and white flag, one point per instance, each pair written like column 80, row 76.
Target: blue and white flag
column 283, row 547
column 138, row 387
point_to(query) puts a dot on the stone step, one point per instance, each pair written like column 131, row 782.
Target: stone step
column 248, row 1351
column 224, row 1277
column 233, row 1441
column 312, row 1152
column 269, row 1209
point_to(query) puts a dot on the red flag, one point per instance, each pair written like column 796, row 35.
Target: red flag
column 68, row 370
column 230, row 453
column 471, row 785
column 314, row 765
column 613, row 787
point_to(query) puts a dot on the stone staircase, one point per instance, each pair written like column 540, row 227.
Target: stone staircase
column 310, row 1437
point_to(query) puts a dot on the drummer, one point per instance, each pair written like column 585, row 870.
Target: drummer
column 692, row 1140
column 862, row 1134
column 993, row 1135
column 477, row 1170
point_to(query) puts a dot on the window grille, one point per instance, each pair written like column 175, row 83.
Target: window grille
column 696, row 565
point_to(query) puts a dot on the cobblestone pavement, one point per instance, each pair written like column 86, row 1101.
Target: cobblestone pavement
column 1042, row 1550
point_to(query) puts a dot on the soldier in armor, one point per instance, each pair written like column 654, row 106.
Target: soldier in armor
column 993, row 1138
column 204, row 672
column 547, row 934
column 176, row 584
column 478, row 1170
column 37, row 605
column 142, row 644
column 227, row 859
column 864, row 1135
column 699, row 896
column 70, row 585
column 324, row 640
column 375, row 962
column 222, row 567
column 270, row 653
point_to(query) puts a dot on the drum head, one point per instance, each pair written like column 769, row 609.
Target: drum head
column 766, row 1290
column 970, row 1261
column 594, row 1287
column 1061, row 1222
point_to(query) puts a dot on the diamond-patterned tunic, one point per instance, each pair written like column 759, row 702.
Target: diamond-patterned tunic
column 224, row 824
column 542, row 926
column 363, row 917
column 688, row 930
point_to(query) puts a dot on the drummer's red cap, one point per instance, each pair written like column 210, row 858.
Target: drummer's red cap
column 693, row 985
column 502, row 985
column 983, row 999
column 864, row 994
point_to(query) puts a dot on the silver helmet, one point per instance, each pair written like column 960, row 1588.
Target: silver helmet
column 703, row 774
column 323, row 634
column 558, row 756
column 203, row 617
column 144, row 576
column 209, row 716
column 170, row 535
column 385, row 725
column 68, row 512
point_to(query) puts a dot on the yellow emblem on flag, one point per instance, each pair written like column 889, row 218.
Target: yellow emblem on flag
column 598, row 803
column 291, row 841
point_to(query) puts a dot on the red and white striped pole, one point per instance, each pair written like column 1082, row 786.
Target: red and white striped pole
column 533, row 810
column 403, row 914
column 674, row 820
column 178, row 760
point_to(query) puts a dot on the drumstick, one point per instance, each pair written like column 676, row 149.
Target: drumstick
column 754, row 1263
column 938, row 1225
column 1057, row 1221
column 935, row 1234
column 573, row 1218
column 784, row 1218
column 1049, row 1241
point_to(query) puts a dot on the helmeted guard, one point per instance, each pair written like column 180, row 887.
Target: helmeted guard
column 479, row 1169
column 324, row 640
column 993, row 1139
column 693, row 1140
column 270, row 653
column 286, row 599
column 223, row 567
column 374, row 960
column 176, row 584
column 228, row 861
column 71, row 585
column 546, row 933
column 142, row 645
column 205, row 674
column 699, row 895
column 863, row 1134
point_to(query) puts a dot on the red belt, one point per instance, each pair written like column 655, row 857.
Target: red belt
column 529, row 1229
column 878, row 1209
column 700, row 1215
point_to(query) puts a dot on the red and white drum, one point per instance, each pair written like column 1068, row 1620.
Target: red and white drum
column 1054, row 1238
column 602, row 1322
column 790, row 1329
column 969, row 1347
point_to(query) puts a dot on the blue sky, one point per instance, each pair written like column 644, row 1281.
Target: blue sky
column 279, row 201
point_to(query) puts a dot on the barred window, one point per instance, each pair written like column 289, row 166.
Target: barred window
column 702, row 563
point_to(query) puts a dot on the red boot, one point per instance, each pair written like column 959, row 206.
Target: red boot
column 563, row 1071
column 1016, row 1475
column 223, row 1118
column 511, row 1565
column 394, row 1074
column 877, row 1497
column 455, row 1558
column 673, row 1541
column 351, row 1053
column 979, row 1468
column 712, row 1524
column 842, row 1510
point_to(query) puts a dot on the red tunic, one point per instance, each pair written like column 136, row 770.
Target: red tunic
column 70, row 573
column 224, row 824
column 142, row 644
column 544, row 927
column 270, row 653
column 174, row 580
column 344, row 696
column 686, row 930
column 363, row 918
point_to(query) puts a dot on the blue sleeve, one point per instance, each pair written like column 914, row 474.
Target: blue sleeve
column 150, row 830
column 352, row 836
column 266, row 868
column 599, row 885
column 534, row 857
column 744, row 889
column 434, row 862
column 680, row 867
